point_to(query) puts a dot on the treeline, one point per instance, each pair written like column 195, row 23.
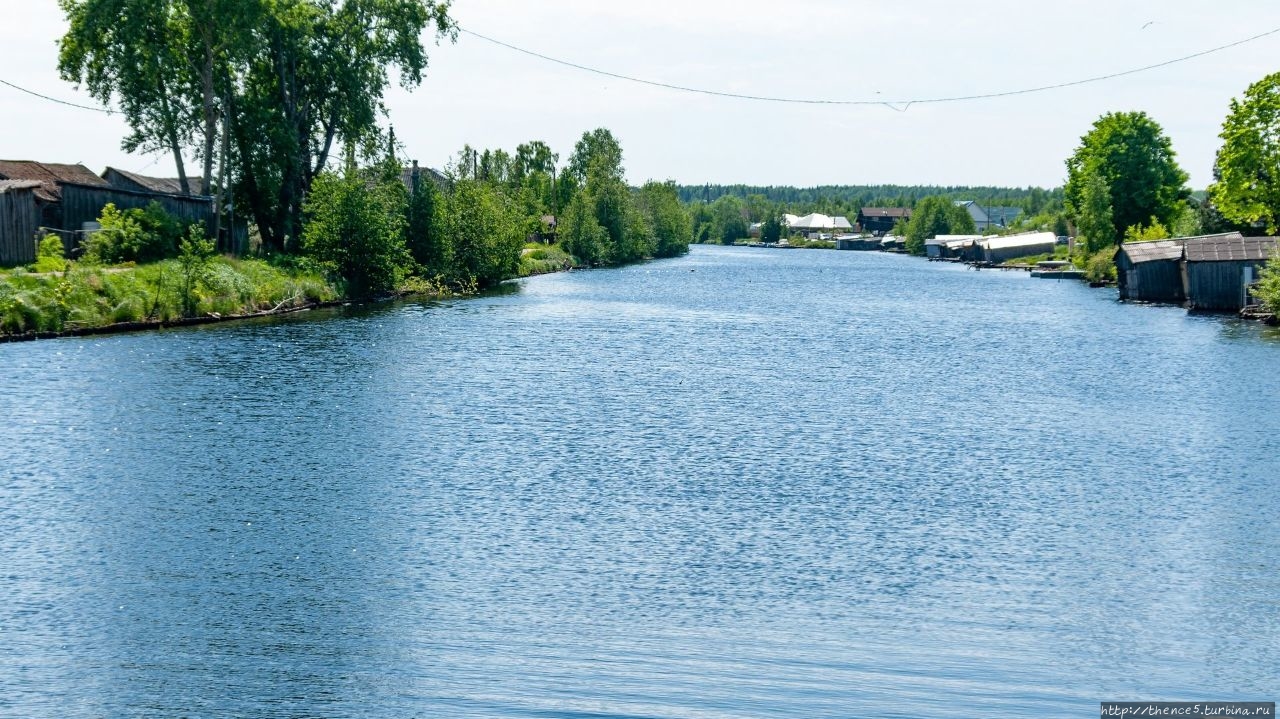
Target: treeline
column 380, row 227
column 846, row 200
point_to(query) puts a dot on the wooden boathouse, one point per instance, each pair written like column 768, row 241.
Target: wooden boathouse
column 1217, row 271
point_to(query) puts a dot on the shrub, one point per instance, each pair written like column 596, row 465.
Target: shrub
column 49, row 255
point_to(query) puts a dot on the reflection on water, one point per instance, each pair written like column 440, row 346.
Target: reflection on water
column 741, row 483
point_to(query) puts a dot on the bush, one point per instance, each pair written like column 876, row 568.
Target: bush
column 1101, row 265
column 49, row 256
column 1268, row 291
column 356, row 231
column 134, row 235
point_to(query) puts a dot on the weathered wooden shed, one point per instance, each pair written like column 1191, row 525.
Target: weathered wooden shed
column 1217, row 271
column 52, row 177
column 82, row 203
column 1152, row 271
column 126, row 180
column 19, row 222
column 853, row 242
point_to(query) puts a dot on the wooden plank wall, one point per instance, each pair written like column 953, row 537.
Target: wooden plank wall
column 83, row 203
column 19, row 221
column 1217, row 285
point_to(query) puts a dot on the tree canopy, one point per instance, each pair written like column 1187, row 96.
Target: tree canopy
column 1247, row 190
column 291, row 79
column 1131, row 154
column 935, row 216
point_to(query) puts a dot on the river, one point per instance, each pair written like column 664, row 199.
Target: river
column 742, row 483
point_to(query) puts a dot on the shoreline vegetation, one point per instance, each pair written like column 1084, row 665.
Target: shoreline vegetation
column 371, row 233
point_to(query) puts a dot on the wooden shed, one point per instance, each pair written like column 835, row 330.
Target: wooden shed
column 126, row 180
column 19, row 222
column 1152, row 271
column 52, row 177
column 1217, row 271
column 82, row 203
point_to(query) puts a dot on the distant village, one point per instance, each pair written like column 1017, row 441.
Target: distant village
column 1212, row 273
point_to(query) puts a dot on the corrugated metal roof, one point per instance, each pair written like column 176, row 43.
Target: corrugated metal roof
column 1231, row 249
column 1026, row 239
column 50, row 175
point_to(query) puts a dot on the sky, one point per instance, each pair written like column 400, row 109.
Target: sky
column 489, row 96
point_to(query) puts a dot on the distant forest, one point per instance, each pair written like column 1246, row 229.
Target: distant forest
column 848, row 199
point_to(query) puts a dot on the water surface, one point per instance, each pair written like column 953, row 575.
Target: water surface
column 744, row 483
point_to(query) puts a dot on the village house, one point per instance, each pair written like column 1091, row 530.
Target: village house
column 880, row 221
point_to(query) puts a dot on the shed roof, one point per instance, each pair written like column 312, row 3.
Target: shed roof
column 885, row 212
column 163, row 185
column 1026, row 239
column 49, row 175
column 6, row 185
column 1231, row 249
column 1154, row 251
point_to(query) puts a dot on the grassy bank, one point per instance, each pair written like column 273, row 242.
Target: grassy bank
column 85, row 296
column 540, row 259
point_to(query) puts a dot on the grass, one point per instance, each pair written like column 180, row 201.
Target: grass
column 87, row 296
column 540, row 259
column 1059, row 253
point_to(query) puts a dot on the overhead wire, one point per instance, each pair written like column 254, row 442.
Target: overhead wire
column 898, row 105
column 54, row 99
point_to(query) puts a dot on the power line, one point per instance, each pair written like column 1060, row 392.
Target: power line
column 54, row 99
column 899, row 105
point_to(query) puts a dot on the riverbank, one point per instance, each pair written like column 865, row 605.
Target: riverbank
column 88, row 300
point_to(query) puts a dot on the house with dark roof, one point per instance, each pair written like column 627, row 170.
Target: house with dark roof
column 880, row 220
column 990, row 218
column 1218, row 271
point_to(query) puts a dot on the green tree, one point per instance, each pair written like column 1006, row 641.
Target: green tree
column 296, row 79
column 672, row 227
column 728, row 220
column 580, row 233
column 485, row 231
column 933, row 216
column 771, row 229
column 1131, row 154
column 1268, row 291
column 1094, row 219
column 355, row 229
column 424, row 237
column 1247, row 190
column 597, row 152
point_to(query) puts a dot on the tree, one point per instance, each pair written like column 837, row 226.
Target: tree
column 424, row 237
column 355, row 229
column 485, row 231
column 771, row 229
column 295, row 77
column 671, row 225
column 1131, row 154
column 597, row 152
column 580, row 233
column 1094, row 219
column 935, row 216
column 728, row 220
column 1269, row 285
column 1247, row 190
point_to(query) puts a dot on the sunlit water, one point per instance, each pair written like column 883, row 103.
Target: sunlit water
column 744, row 483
